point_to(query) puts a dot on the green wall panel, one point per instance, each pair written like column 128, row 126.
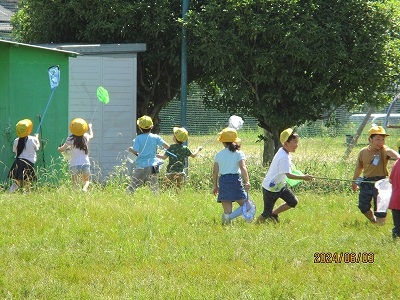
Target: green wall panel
column 25, row 95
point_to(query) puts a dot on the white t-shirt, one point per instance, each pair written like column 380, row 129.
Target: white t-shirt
column 78, row 156
column 29, row 153
column 275, row 179
column 228, row 161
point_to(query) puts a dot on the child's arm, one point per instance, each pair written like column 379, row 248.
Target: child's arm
column 215, row 178
column 130, row 149
column 392, row 153
column 196, row 152
column 245, row 174
column 164, row 156
column 301, row 177
column 62, row 148
column 357, row 173
column 90, row 131
column 36, row 141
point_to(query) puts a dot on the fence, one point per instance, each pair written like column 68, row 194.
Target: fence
column 201, row 120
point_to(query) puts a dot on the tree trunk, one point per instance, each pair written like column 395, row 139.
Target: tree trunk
column 269, row 148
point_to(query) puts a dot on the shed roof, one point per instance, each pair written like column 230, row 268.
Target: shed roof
column 95, row 49
column 16, row 44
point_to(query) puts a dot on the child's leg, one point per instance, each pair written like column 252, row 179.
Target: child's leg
column 180, row 179
column 396, row 223
column 290, row 202
column 228, row 214
column 15, row 186
column 86, row 182
column 75, row 179
column 269, row 199
column 138, row 178
column 370, row 215
column 154, row 185
column 238, row 211
column 364, row 200
column 379, row 216
column 85, row 177
column 283, row 207
column 227, row 207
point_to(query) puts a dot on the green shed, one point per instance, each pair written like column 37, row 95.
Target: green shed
column 24, row 93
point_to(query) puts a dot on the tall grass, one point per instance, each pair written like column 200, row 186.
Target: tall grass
column 59, row 243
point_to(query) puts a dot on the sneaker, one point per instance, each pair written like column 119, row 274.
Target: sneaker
column 13, row 188
column 261, row 219
column 226, row 219
column 274, row 218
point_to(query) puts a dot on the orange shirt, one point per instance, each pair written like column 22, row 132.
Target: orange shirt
column 366, row 158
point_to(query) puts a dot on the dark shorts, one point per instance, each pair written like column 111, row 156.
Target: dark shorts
column 270, row 199
column 230, row 188
column 369, row 193
column 22, row 169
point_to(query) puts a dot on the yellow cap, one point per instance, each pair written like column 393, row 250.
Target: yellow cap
column 180, row 134
column 228, row 135
column 24, row 128
column 285, row 135
column 377, row 130
column 145, row 122
column 78, row 126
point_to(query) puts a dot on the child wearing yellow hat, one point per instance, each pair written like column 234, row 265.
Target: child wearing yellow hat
column 229, row 172
column 25, row 146
column 177, row 154
column 145, row 147
column 372, row 161
column 274, row 184
column 78, row 143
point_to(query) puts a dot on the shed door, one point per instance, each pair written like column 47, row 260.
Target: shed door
column 113, row 123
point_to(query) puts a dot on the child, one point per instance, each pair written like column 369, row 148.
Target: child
column 78, row 142
column 394, row 203
column 25, row 146
column 229, row 163
column 177, row 154
column 274, row 183
column 372, row 161
column 145, row 148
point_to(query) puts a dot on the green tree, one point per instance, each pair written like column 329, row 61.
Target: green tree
column 155, row 23
column 287, row 62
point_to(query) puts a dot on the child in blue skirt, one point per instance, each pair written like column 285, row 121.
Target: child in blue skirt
column 228, row 172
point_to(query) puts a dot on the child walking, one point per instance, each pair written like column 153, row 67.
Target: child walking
column 145, row 148
column 394, row 203
column 274, row 184
column 372, row 161
column 78, row 143
column 22, row 171
column 177, row 154
column 229, row 164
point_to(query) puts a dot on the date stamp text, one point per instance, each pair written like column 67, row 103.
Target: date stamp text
column 344, row 257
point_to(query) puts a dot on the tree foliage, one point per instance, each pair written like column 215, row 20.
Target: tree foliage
column 154, row 22
column 287, row 62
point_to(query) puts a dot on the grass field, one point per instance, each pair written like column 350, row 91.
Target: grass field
column 57, row 243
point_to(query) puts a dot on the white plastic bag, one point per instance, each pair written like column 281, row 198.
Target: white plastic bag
column 384, row 188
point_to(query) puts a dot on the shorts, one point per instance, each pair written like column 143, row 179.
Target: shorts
column 230, row 188
column 270, row 199
column 80, row 169
column 369, row 192
column 22, row 169
column 176, row 178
